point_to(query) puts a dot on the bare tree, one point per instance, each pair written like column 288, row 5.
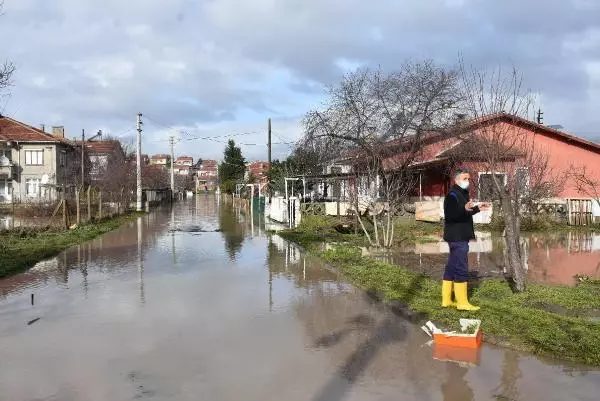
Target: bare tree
column 518, row 173
column 7, row 68
column 585, row 183
column 378, row 122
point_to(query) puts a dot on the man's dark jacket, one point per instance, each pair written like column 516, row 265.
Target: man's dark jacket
column 458, row 222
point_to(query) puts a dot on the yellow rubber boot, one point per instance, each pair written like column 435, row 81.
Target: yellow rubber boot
column 462, row 301
column 447, row 294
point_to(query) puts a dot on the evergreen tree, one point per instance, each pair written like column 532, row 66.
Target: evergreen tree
column 231, row 170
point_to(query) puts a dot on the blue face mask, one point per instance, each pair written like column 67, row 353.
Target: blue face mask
column 464, row 184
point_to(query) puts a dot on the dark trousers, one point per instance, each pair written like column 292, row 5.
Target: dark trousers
column 457, row 269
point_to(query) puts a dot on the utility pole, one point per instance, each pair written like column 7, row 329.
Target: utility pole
column 172, row 142
column 82, row 152
column 269, row 143
column 138, row 172
column 269, row 155
column 540, row 116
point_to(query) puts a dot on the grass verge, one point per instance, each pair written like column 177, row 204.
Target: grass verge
column 545, row 320
column 23, row 248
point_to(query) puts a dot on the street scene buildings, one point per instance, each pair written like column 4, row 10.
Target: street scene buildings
column 299, row 200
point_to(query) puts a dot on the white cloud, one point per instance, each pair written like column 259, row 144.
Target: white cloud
column 219, row 66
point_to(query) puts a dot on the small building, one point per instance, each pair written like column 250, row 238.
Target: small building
column 102, row 155
column 160, row 160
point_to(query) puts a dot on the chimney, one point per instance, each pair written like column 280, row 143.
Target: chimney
column 43, row 127
column 58, row 132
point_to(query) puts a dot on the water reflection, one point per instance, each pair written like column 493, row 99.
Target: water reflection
column 270, row 324
column 551, row 258
column 232, row 230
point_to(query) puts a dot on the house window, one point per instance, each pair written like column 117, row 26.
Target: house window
column 487, row 189
column 34, row 157
column 32, row 187
column 62, row 159
column 5, row 157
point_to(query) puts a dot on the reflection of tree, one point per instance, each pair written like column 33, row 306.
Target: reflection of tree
column 456, row 386
column 231, row 230
column 510, row 376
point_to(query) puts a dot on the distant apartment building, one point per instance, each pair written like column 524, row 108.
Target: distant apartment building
column 183, row 165
column 181, row 169
column 35, row 165
column 208, row 173
column 184, row 161
column 159, row 160
column 257, row 171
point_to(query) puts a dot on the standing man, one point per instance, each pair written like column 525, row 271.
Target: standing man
column 458, row 231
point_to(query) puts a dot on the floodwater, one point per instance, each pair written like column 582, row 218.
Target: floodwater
column 197, row 302
column 552, row 258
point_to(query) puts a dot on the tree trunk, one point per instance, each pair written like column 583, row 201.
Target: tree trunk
column 89, row 203
column 376, row 230
column 365, row 230
column 513, row 259
column 100, row 205
column 390, row 226
column 78, row 203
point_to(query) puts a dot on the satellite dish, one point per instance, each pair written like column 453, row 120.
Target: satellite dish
column 45, row 179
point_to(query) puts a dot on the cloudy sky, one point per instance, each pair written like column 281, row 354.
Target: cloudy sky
column 199, row 68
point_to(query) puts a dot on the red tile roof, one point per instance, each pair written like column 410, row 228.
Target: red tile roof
column 185, row 158
column 158, row 157
column 13, row 130
column 107, row 147
column 519, row 121
column 208, row 164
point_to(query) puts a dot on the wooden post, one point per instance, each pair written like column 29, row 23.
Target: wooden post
column 89, row 203
column 100, row 205
column 12, row 199
column 121, row 201
column 77, row 201
column 63, row 201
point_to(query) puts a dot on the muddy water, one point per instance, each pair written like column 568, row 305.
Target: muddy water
column 198, row 302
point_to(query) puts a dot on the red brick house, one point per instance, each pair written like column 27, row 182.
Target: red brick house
column 184, row 161
column 258, row 170
column 208, row 175
column 440, row 153
column 443, row 152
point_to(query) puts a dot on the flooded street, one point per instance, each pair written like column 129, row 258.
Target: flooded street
column 198, row 302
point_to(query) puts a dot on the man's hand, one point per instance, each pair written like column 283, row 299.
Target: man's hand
column 485, row 206
column 469, row 206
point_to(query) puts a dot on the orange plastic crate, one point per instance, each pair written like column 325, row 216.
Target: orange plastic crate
column 459, row 340
column 456, row 354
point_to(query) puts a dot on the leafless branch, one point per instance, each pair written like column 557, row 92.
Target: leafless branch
column 376, row 122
